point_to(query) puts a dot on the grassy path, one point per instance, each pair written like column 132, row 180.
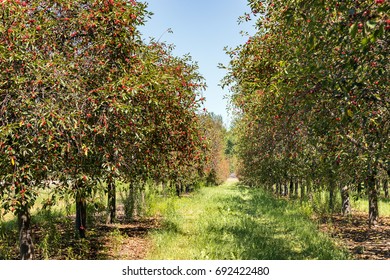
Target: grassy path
column 233, row 222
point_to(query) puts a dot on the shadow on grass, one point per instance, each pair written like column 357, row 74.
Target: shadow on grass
column 258, row 226
column 54, row 237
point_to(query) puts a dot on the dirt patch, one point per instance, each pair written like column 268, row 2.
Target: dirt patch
column 353, row 232
column 127, row 241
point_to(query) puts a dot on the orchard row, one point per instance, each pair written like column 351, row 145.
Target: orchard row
column 83, row 100
column 311, row 90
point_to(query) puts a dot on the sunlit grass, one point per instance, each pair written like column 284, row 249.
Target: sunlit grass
column 53, row 228
column 319, row 204
column 231, row 222
column 361, row 205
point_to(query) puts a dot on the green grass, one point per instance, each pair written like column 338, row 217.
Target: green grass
column 319, row 203
column 361, row 205
column 235, row 222
column 54, row 234
column 54, row 237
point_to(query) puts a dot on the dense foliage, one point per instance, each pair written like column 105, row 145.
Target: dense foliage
column 83, row 100
column 311, row 89
column 217, row 168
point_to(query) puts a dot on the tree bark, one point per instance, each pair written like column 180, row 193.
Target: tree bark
column 378, row 188
column 278, row 188
column 111, row 201
column 130, row 208
column 303, row 193
column 291, row 187
column 81, row 215
column 25, row 238
column 332, row 187
column 309, row 186
column 346, row 205
column 296, row 190
column 373, row 212
column 142, row 202
column 386, row 188
column 178, row 189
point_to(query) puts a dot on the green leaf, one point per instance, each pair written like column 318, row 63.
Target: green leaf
column 312, row 42
column 383, row 8
column 371, row 24
column 379, row 32
column 353, row 30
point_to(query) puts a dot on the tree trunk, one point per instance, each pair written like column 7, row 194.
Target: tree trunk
column 296, row 190
column 25, row 238
column 291, row 187
column 378, row 188
column 309, row 186
column 386, row 188
column 81, row 214
column 303, row 193
column 332, row 187
column 346, row 205
column 111, row 201
column 178, row 189
column 373, row 212
column 132, row 202
column 278, row 188
column 285, row 192
column 142, row 202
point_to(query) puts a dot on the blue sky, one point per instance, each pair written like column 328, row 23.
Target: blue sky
column 201, row 28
